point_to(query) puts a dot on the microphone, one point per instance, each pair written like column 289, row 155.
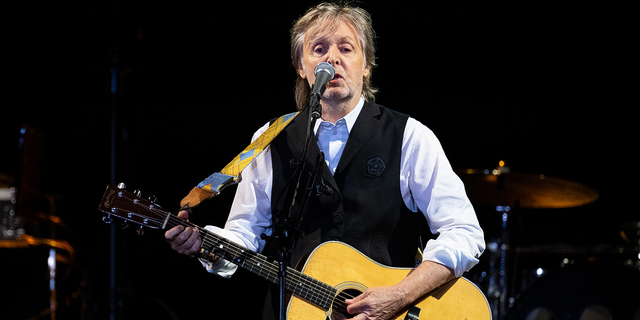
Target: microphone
column 324, row 72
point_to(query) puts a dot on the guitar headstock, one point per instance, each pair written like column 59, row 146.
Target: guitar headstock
column 130, row 207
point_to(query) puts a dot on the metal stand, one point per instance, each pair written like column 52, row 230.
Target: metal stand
column 286, row 230
column 114, row 298
column 498, row 278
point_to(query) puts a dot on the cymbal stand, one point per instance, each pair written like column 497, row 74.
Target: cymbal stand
column 498, row 248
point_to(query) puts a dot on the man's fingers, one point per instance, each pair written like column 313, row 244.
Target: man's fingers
column 172, row 233
column 195, row 248
column 354, row 306
column 184, row 214
column 184, row 240
column 192, row 243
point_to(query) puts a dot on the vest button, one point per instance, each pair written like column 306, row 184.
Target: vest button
column 337, row 218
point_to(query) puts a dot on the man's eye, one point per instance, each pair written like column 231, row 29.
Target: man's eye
column 318, row 50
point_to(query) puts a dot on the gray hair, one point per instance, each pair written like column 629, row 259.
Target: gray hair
column 332, row 15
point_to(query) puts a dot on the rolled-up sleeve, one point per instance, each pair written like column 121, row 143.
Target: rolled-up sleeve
column 430, row 185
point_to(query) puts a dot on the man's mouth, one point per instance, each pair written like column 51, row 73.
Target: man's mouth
column 336, row 77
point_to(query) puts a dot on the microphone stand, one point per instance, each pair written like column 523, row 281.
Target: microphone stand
column 286, row 230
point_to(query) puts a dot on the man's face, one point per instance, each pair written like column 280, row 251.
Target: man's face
column 343, row 51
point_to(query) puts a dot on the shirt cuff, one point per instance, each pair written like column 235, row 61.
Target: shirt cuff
column 454, row 259
column 221, row 267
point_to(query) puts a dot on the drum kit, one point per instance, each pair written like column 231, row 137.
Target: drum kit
column 548, row 292
column 31, row 266
column 35, row 258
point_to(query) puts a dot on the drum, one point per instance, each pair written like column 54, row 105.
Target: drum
column 585, row 291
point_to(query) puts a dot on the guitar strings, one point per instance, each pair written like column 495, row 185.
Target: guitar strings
column 326, row 292
column 314, row 288
column 307, row 285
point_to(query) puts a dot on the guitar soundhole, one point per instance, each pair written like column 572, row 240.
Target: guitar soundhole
column 339, row 307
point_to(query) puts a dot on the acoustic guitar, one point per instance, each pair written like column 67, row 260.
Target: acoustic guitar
column 333, row 272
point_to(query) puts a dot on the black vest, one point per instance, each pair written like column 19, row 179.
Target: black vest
column 366, row 209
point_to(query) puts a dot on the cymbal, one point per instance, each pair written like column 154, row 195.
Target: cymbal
column 524, row 190
column 27, row 241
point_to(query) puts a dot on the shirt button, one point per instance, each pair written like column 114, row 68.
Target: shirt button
column 335, row 132
column 337, row 218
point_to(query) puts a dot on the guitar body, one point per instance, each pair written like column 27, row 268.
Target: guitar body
column 343, row 267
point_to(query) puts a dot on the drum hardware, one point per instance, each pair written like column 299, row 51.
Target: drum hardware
column 498, row 281
column 14, row 241
column 534, row 262
column 585, row 290
column 10, row 224
column 630, row 233
column 59, row 259
column 508, row 191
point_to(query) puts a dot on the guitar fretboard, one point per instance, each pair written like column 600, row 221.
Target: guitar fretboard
column 131, row 207
column 303, row 286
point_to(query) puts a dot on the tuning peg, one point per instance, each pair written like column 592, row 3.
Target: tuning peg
column 140, row 231
column 122, row 186
column 107, row 219
column 153, row 199
column 138, row 193
column 125, row 224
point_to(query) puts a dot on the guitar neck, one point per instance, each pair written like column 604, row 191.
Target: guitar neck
column 298, row 283
column 131, row 207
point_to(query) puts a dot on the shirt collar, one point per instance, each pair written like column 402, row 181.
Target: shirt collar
column 350, row 118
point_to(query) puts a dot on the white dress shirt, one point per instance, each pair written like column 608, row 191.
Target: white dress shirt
column 427, row 183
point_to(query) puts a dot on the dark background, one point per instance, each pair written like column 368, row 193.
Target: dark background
column 547, row 87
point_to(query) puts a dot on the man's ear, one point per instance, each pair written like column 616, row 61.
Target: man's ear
column 301, row 71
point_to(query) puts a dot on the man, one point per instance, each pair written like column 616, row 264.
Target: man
column 382, row 167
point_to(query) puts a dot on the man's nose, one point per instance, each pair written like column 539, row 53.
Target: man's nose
column 333, row 56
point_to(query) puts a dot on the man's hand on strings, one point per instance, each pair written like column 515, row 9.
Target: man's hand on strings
column 184, row 240
column 379, row 303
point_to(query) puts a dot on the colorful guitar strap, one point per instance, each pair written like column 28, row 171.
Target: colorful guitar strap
column 231, row 173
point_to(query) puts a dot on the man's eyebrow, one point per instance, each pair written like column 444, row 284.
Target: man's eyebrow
column 345, row 39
